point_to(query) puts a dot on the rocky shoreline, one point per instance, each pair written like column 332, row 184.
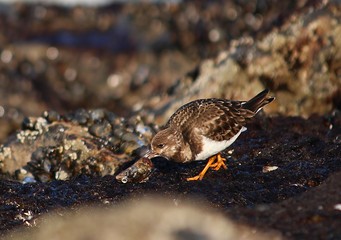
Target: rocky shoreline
column 283, row 177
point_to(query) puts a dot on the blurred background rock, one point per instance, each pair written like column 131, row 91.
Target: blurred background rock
column 147, row 218
column 120, row 56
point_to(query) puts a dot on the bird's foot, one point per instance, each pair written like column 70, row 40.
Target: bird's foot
column 220, row 162
column 201, row 175
column 215, row 162
column 195, row 178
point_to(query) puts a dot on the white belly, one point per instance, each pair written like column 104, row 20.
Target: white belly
column 211, row 147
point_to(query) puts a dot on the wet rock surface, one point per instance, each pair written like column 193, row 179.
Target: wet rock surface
column 111, row 92
column 305, row 151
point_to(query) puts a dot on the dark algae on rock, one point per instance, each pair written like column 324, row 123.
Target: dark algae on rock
column 303, row 189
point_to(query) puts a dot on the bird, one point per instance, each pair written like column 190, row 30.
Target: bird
column 203, row 128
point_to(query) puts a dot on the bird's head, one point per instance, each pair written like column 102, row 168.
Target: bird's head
column 164, row 144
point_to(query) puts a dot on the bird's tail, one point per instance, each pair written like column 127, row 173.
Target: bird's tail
column 256, row 103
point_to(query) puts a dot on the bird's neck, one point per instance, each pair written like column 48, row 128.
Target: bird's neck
column 184, row 152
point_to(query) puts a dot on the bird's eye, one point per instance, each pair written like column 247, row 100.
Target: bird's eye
column 161, row 145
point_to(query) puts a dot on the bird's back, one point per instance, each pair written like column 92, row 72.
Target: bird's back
column 217, row 119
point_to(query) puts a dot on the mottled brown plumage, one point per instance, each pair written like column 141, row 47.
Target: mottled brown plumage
column 205, row 127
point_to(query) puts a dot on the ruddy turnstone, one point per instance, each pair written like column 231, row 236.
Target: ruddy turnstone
column 203, row 128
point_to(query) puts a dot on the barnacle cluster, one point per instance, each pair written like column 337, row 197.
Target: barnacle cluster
column 95, row 142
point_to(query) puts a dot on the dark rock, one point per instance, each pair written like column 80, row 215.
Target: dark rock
column 28, row 123
column 98, row 115
column 81, row 116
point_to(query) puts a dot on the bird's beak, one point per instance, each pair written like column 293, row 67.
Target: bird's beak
column 150, row 154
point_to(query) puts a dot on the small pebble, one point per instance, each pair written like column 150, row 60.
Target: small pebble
column 269, row 168
column 101, row 129
column 97, row 114
column 81, row 116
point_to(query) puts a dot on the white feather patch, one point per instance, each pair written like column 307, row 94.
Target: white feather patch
column 211, row 147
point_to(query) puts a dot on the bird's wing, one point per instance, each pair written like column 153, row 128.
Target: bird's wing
column 220, row 119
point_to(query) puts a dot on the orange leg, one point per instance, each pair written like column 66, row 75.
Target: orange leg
column 210, row 164
column 220, row 163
